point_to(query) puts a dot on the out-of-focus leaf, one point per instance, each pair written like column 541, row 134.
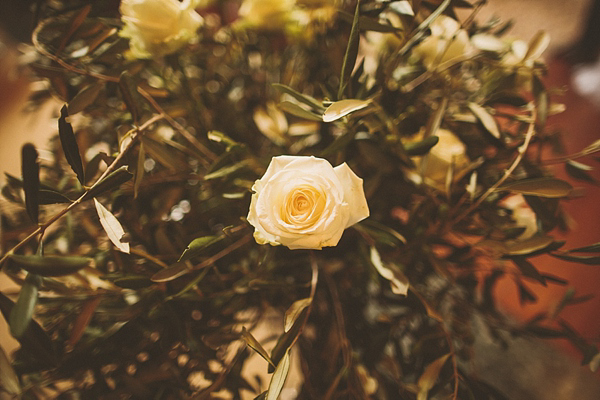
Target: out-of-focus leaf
column 592, row 148
column 541, row 187
column 435, row 120
column 579, row 171
column 486, row 119
column 528, row 269
column 173, row 272
column 83, row 320
column 293, row 312
column 398, row 281
column 302, row 98
column 128, row 88
column 111, row 181
column 541, row 101
column 341, row 108
column 351, row 52
column 296, row 110
column 225, row 171
column 537, row 45
column 85, row 97
column 196, row 246
column 134, row 282
column 588, row 260
column 163, row 154
column 69, row 144
column 49, row 265
column 285, row 341
column 112, row 226
column 528, row 246
column 279, row 377
column 93, row 166
column 139, row 170
column 487, row 42
column 31, row 180
column 261, row 396
column 9, row 382
column 401, row 7
column 422, row 147
column 430, row 375
column 587, row 249
column 525, row 295
column 255, row 345
column 35, row 340
column 52, row 197
column 22, row 312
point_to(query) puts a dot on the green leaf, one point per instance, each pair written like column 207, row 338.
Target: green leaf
column 541, row 102
column 85, row 97
column 579, row 171
column 255, row 345
column 398, row 281
column 587, row 249
column 112, row 226
column 528, row 246
column 128, row 89
column 587, row 260
column 134, row 282
column 302, row 98
column 49, row 265
column 287, row 339
column 541, row 187
column 279, row 377
column 69, row 144
column 22, row 312
column 296, row 110
column 9, row 382
column 139, row 170
column 225, row 171
column 341, row 108
column 52, row 197
column 421, row 148
column 31, row 180
column 430, row 375
column 486, row 119
column 196, row 247
column 173, row 272
column 163, row 154
column 351, row 51
column 111, row 181
column 294, row 311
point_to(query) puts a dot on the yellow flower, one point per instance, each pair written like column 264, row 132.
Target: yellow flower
column 158, row 27
column 305, row 203
column 265, row 14
column 447, row 42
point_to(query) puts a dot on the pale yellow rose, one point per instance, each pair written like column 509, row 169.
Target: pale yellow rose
column 158, row 27
column 265, row 14
column 447, row 42
column 304, row 203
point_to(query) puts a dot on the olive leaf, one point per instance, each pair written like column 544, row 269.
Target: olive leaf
column 196, row 246
column 31, row 180
column 128, row 89
column 302, row 98
column 69, row 144
column 528, row 246
column 351, row 52
column 422, row 147
column 85, row 97
column 398, row 281
column 429, row 376
column 279, row 377
column 486, row 119
column 297, row 111
column 255, row 345
column 172, row 272
column 22, row 312
column 294, row 311
column 541, row 187
column 9, row 382
column 112, row 226
column 340, row 109
column 49, row 265
column 111, row 181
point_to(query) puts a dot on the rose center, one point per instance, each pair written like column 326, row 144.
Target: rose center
column 302, row 206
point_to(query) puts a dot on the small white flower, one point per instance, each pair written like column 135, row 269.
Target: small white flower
column 158, row 27
column 304, row 203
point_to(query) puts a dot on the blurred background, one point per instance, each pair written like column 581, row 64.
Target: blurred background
column 573, row 65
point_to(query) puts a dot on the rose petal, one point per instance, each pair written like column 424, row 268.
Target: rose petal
column 354, row 194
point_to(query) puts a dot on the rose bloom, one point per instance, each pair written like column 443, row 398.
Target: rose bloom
column 447, row 42
column 304, row 203
column 158, row 27
column 265, row 14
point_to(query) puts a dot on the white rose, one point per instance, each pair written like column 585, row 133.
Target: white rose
column 265, row 14
column 158, row 27
column 305, row 203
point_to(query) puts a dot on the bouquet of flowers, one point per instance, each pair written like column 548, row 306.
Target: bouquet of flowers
column 346, row 170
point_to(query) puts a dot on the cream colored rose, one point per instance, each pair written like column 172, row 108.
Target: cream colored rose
column 265, row 14
column 158, row 27
column 447, row 42
column 305, row 203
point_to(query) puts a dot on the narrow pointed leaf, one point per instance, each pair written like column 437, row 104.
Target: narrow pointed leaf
column 112, row 226
column 139, row 170
column 529, row 270
column 587, row 249
column 297, row 111
column 83, row 320
column 402, row 7
column 421, row 148
column 486, row 119
column 22, row 312
column 541, row 187
column 587, row 260
column 111, row 181
column 9, row 382
column 165, row 155
column 49, row 265
column 302, row 98
column 579, row 171
column 225, row 171
column 173, row 272
column 341, row 108
column 537, row 45
column 541, row 101
column 399, row 282
column 287, row 339
column 351, row 51
column 255, row 345
column 128, row 89
column 525, row 295
column 435, row 120
column 196, row 247
column 430, row 376
column 69, row 144
column 279, row 377
column 31, row 180
column 84, row 98
column 292, row 313
column 528, row 246
column 52, row 197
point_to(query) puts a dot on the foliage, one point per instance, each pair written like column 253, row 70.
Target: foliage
column 153, row 289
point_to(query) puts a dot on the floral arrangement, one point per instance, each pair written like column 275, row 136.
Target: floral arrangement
column 192, row 192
